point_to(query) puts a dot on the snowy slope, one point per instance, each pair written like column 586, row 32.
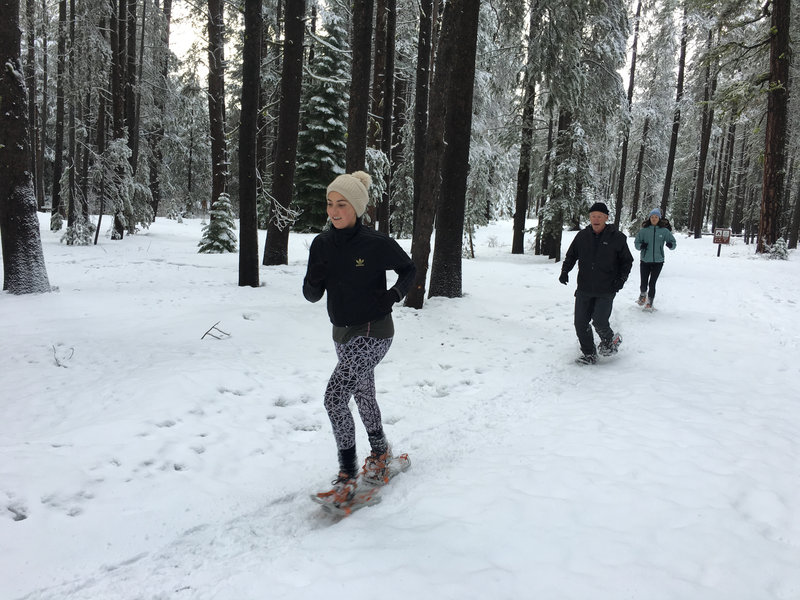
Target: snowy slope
column 140, row 461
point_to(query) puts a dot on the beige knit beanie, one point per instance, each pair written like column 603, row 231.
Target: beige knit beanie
column 353, row 186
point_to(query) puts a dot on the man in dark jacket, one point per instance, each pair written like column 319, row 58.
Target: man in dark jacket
column 604, row 262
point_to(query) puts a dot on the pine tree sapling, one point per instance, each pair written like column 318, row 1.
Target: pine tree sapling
column 218, row 235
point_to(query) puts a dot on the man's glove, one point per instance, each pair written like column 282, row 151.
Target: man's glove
column 386, row 300
column 618, row 283
column 564, row 277
column 670, row 245
column 643, row 245
column 316, row 274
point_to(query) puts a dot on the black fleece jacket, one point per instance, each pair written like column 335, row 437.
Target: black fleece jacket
column 351, row 264
column 604, row 260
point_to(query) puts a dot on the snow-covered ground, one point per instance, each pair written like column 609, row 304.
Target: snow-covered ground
column 139, row 461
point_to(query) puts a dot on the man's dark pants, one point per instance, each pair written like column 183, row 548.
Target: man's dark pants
column 592, row 310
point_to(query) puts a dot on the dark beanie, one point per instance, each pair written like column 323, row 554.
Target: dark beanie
column 599, row 207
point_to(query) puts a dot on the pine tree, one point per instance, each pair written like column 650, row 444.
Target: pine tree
column 322, row 142
column 218, row 235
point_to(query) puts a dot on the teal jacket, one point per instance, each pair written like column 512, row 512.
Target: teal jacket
column 650, row 242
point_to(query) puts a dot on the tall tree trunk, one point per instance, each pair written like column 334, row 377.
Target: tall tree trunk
column 276, row 251
column 156, row 139
column 777, row 121
column 794, row 228
column 423, row 78
column 553, row 223
column 30, row 82
column 676, row 120
column 526, row 144
column 623, row 166
column 637, row 184
column 726, row 174
column 130, row 80
column 58, row 161
column 717, row 179
column 425, row 211
column 71, row 162
column 119, row 28
column 705, row 139
column 44, row 113
column 216, row 99
column 446, row 277
column 248, row 167
column 137, row 96
column 741, row 179
column 24, row 269
column 358, row 113
column 543, row 195
column 388, row 108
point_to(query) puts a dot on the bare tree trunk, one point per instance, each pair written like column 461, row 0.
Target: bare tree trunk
column 777, row 121
column 57, row 210
column 359, row 85
column 739, row 195
column 705, row 139
column 553, row 224
column 627, row 133
column 24, row 269
column 425, row 211
column 130, row 80
column 446, row 264
column 388, row 107
column 676, row 120
column 30, row 82
column 156, row 139
column 637, row 184
column 216, row 99
column 276, row 251
column 542, row 199
column 423, row 78
column 71, row 212
column 44, row 113
column 726, row 175
column 526, row 144
column 248, row 162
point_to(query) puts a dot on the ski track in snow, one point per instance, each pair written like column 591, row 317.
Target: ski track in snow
column 142, row 462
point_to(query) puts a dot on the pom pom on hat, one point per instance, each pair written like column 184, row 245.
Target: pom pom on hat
column 599, row 207
column 353, row 186
column 656, row 212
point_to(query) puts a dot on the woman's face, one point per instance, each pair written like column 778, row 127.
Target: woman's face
column 654, row 219
column 340, row 211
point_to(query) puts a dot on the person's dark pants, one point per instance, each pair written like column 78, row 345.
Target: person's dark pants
column 649, row 273
column 592, row 310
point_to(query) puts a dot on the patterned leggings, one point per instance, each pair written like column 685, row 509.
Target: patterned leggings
column 354, row 375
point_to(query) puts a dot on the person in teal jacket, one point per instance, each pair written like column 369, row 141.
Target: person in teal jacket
column 650, row 241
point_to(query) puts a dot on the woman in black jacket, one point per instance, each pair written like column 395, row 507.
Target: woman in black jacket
column 349, row 261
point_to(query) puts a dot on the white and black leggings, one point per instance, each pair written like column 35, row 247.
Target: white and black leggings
column 354, row 375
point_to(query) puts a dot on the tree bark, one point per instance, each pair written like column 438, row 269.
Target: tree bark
column 705, row 139
column 276, row 251
column 676, row 120
column 216, row 99
column 383, row 212
column 777, row 121
column 637, row 184
column 623, row 166
column 446, row 277
column 156, row 139
column 24, row 269
column 430, row 184
column 248, row 162
column 521, row 201
column 358, row 113
column 57, row 210
column 423, row 78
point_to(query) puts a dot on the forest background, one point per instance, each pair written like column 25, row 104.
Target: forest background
column 463, row 111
